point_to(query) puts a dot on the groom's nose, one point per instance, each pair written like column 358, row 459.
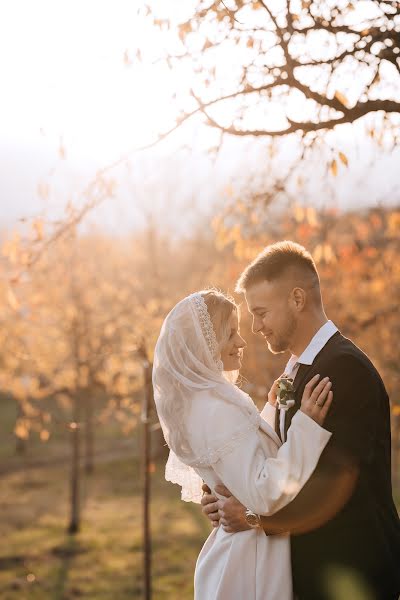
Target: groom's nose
column 257, row 326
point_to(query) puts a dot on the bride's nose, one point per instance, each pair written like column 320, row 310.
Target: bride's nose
column 241, row 342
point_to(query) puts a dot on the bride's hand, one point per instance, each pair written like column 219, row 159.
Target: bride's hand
column 273, row 393
column 317, row 398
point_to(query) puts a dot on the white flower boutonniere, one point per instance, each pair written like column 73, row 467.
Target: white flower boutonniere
column 285, row 395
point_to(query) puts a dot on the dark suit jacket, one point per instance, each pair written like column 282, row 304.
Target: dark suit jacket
column 360, row 546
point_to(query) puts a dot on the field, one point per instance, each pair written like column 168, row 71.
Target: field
column 39, row 561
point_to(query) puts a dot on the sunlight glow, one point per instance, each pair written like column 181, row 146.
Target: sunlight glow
column 89, row 73
column 69, row 69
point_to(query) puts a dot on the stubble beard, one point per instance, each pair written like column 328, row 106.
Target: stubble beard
column 284, row 337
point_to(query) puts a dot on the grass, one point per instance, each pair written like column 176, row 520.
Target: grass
column 104, row 561
column 39, row 561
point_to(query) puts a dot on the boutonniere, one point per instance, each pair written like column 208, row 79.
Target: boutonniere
column 285, row 395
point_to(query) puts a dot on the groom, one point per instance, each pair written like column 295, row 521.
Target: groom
column 345, row 529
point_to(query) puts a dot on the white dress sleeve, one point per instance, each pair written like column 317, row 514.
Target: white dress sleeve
column 266, row 484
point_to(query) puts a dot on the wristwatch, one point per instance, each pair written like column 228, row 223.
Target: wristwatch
column 252, row 519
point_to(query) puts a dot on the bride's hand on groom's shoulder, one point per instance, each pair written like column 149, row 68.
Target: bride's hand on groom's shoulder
column 317, row 399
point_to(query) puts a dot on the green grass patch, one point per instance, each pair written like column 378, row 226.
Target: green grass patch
column 40, row 561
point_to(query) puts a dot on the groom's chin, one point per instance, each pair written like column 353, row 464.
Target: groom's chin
column 275, row 350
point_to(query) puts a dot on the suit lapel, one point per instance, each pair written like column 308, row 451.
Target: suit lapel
column 277, row 422
column 298, row 380
column 304, row 373
column 300, row 377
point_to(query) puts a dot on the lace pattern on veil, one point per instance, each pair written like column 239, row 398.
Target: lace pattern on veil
column 207, row 327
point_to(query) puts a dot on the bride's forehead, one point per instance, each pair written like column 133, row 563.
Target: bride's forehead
column 234, row 319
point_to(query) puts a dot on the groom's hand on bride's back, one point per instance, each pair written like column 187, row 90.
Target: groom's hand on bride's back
column 227, row 512
column 209, row 504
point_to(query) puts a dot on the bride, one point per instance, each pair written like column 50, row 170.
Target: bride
column 217, row 435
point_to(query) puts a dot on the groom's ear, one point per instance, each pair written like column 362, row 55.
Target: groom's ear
column 298, row 298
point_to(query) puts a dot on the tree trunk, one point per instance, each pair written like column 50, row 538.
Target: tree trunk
column 74, row 524
column 146, row 454
column 20, row 443
column 396, row 452
column 89, row 435
column 20, row 446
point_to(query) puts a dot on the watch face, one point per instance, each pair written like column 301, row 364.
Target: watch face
column 252, row 519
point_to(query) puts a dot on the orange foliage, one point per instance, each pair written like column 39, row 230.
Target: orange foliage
column 72, row 323
column 357, row 257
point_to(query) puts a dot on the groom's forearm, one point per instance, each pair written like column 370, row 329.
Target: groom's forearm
column 323, row 496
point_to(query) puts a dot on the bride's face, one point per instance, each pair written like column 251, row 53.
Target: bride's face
column 232, row 351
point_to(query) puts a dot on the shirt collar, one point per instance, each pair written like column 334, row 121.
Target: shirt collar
column 314, row 347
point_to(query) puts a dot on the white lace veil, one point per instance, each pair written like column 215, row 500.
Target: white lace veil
column 186, row 361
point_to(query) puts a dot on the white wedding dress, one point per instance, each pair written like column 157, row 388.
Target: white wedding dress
column 264, row 475
column 216, row 434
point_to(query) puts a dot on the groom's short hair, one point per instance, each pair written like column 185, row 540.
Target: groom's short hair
column 276, row 260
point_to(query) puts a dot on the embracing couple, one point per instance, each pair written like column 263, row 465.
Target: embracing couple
column 300, row 494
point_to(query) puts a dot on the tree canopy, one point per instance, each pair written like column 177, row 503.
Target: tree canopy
column 275, row 68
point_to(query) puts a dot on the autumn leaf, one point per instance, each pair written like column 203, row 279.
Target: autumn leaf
column 394, row 223
column 37, row 226
column 342, row 98
column 344, row 159
column 329, row 254
column 299, row 213
column 62, row 153
column 11, row 249
column 311, row 214
column 12, row 299
column 376, row 221
column 44, row 435
column 318, row 253
column 334, row 168
column 21, row 429
column 305, row 231
column 184, row 29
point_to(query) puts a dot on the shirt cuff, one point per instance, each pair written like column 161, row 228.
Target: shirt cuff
column 268, row 414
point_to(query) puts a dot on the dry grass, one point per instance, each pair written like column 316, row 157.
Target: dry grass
column 39, row 561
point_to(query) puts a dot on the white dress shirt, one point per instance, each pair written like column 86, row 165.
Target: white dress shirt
column 306, row 358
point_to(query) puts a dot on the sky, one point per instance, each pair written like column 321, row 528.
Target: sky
column 74, row 100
